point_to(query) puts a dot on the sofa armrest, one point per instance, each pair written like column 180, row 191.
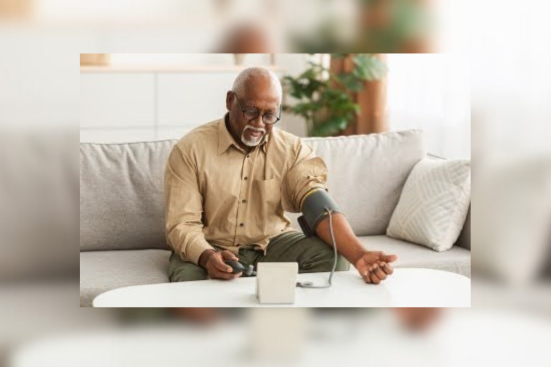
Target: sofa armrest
column 464, row 239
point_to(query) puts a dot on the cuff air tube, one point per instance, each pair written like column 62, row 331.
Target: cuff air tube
column 314, row 209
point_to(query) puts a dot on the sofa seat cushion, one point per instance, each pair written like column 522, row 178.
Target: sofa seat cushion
column 101, row 271
column 410, row 255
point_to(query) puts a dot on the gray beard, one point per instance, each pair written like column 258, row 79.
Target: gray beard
column 251, row 142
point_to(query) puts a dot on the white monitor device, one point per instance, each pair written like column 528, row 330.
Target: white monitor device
column 276, row 282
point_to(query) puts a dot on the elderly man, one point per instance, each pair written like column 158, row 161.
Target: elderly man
column 229, row 182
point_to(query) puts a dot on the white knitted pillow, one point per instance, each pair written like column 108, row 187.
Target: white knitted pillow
column 433, row 204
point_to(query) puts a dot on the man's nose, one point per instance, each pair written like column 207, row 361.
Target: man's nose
column 258, row 122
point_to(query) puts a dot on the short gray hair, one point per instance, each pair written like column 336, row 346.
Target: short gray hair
column 253, row 72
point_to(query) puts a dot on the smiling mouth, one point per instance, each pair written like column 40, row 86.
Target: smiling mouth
column 254, row 133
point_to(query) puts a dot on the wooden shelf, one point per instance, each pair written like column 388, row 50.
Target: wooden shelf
column 169, row 69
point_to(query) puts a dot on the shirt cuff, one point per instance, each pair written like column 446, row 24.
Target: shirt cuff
column 195, row 250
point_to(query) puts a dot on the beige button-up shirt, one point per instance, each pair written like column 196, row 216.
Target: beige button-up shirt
column 218, row 194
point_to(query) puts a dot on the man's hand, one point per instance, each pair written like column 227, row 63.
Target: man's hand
column 374, row 266
column 213, row 262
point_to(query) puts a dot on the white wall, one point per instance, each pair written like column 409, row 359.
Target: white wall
column 432, row 92
column 147, row 105
column 39, row 68
column 38, row 75
column 153, row 103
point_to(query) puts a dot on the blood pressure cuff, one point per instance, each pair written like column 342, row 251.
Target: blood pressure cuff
column 314, row 209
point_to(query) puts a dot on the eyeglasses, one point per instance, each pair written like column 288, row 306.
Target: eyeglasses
column 252, row 113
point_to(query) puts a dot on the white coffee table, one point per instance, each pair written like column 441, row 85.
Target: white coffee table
column 405, row 288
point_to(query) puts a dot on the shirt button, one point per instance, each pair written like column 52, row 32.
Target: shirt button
column 247, row 155
column 242, row 224
column 245, row 178
column 243, row 201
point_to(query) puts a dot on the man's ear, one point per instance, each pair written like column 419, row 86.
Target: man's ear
column 229, row 99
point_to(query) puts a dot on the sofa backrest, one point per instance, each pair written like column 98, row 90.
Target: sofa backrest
column 367, row 174
column 121, row 195
column 121, row 186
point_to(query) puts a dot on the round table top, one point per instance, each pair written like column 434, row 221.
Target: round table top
column 407, row 287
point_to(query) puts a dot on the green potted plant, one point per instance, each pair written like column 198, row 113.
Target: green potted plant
column 323, row 98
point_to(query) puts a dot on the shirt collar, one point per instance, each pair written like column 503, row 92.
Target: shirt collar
column 225, row 139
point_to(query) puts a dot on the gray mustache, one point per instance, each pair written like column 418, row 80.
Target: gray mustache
column 254, row 129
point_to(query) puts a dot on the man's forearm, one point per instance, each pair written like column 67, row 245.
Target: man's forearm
column 348, row 244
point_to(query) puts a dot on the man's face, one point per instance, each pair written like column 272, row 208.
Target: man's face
column 260, row 93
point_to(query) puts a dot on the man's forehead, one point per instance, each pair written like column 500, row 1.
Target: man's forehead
column 265, row 94
column 261, row 96
column 256, row 86
column 262, row 103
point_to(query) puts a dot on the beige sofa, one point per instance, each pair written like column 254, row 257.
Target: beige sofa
column 122, row 241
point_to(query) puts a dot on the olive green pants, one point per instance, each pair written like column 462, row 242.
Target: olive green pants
column 311, row 253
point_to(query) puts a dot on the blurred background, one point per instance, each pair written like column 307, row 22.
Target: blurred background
column 260, row 26
column 142, row 97
column 500, row 48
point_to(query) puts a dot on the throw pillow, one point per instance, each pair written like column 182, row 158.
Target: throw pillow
column 433, row 204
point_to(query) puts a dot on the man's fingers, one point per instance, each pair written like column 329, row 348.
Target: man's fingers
column 366, row 277
column 386, row 268
column 388, row 258
column 373, row 274
column 362, row 268
column 234, row 276
column 379, row 272
column 226, row 276
column 375, row 270
column 221, row 266
column 228, row 255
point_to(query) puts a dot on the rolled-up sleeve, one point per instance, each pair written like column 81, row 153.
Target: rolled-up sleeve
column 183, row 207
column 309, row 172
